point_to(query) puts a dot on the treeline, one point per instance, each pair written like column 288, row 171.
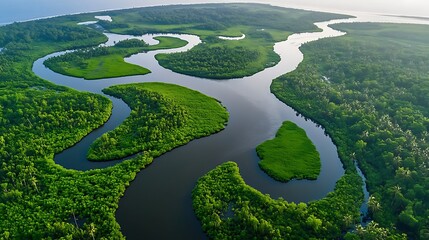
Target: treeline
column 222, row 16
column 212, row 62
column 230, row 209
column 131, row 43
column 370, row 91
column 43, row 31
column 163, row 116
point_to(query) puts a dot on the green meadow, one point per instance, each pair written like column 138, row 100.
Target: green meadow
column 108, row 62
column 290, row 155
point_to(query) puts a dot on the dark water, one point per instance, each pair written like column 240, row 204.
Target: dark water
column 161, row 194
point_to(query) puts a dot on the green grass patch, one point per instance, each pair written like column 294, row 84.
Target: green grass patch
column 163, row 117
column 290, row 155
column 108, row 62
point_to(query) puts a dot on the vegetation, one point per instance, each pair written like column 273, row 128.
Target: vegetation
column 230, row 209
column 163, row 117
column 107, row 62
column 39, row 199
column 219, row 59
column 370, row 90
column 291, row 154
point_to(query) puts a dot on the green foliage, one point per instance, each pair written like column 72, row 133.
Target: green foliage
column 230, row 209
column 43, row 31
column 220, row 59
column 163, row 117
column 214, row 62
column 107, row 62
column 41, row 200
column 131, row 43
column 374, row 232
column 291, row 154
column 216, row 17
column 370, row 90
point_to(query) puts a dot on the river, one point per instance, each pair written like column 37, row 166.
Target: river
column 160, row 194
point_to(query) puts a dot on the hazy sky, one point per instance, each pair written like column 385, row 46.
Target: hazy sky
column 18, row 10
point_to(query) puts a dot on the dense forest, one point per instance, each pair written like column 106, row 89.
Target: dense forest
column 163, row 116
column 370, row 90
column 290, row 155
column 214, row 62
column 230, row 209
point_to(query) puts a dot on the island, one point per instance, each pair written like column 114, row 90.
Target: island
column 290, row 155
column 367, row 89
column 108, row 62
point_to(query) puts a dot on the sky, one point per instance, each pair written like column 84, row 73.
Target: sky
column 19, row 10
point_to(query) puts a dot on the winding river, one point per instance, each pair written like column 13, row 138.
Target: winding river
column 157, row 204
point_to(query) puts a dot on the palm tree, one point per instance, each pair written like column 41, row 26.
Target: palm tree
column 92, row 229
column 396, row 192
column 403, row 173
column 348, row 220
column 397, row 160
column 373, row 204
column 33, row 181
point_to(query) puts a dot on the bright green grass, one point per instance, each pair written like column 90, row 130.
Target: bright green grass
column 163, row 117
column 290, row 155
column 110, row 65
column 104, row 67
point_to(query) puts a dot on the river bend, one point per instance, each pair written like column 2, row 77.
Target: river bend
column 157, row 204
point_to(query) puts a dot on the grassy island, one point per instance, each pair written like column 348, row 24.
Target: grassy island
column 163, row 117
column 290, row 155
column 108, row 62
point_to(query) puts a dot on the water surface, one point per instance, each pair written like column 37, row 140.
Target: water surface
column 161, row 194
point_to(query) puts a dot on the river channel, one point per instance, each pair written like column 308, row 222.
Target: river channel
column 157, row 204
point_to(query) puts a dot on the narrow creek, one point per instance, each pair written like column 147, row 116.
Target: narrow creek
column 157, row 204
